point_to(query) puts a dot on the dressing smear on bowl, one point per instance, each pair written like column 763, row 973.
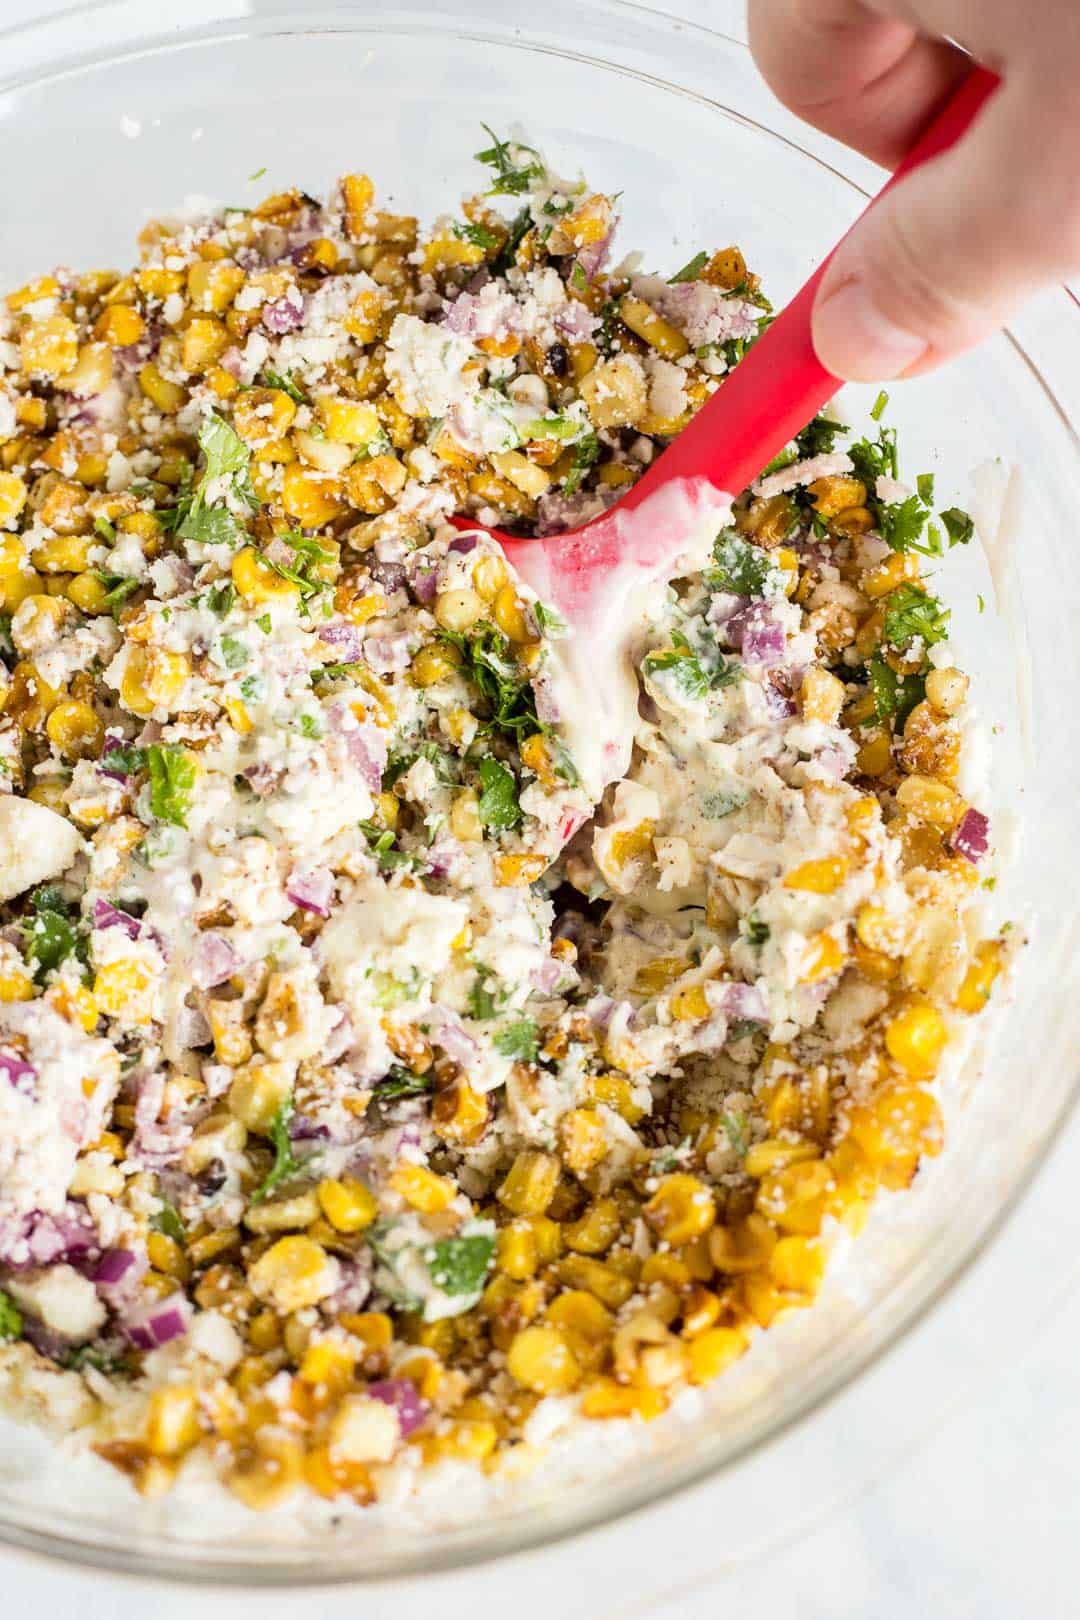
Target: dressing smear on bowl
column 421, row 1027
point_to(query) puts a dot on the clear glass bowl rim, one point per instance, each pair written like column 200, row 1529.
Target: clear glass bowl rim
column 45, row 56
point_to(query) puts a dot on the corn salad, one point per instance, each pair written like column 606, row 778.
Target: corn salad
column 369, row 1076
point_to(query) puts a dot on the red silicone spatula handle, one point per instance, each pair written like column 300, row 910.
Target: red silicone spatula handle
column 780, row 384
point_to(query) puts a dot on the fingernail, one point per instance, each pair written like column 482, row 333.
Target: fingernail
column 854, row 339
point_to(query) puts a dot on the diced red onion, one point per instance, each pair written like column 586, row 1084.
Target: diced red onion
column 189, row 1029
column 758, row 635
column 113, row 1265
column 45, row 1340
column 158, row 1322
column 109, row 916
column 423, row 577
column 390, row 573
column 445, row 857
column 389, row 654
column 18, row 1073
column 738, row 1000
column 546, row 977
column 364, row 744
column 344, row 638
column 262, row 778
column 462, row 315
column 284, row 314
column 593, row 258
column 547, row 709
column 464, row 543
column 556, row 513
column 600, row 1010
column 213, row 960
column 312, row 890
column 404, row 1398
column 455, row 1040
column 972, row 837
column 39, row 1239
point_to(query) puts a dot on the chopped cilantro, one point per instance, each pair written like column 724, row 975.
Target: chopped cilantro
column 894, row 695
column 491, row 666
column 387, row 991
column 720, row 804
column 127, row 761
column 735, row 1126
column 981, row 602
column 381, row 844
column 520, row 227
column 285, row 384
column 167, row 1220
column 173, row 774
column 878, row 408
column 519, row 1040
column 740, row 567
column 234, row 652
column 258, row 173
column 586, row 454
column 50, row 933
column 687, row 669
column 227, row 456
column 818, row 438
column 118, row 587
column 873, row 458
column 691, row 270
column 11, row 1322
column 483, row 1001
column 755, row 930
column 401, row 760
column 478, row 235
column 265, row 623
column 208, row 525
column 550, row 622
column 286, row 1164
column 786, row 458
column 554, row 426
column 103, row 527
column 902, row 523
column 458, row 1265
column 958, row 526
column 221, row 599
column 578, row 277
column 310, row 727
column 511, row 178
column 402, row 1082
column 925, row 486
column 499, row 807
column 912, row 614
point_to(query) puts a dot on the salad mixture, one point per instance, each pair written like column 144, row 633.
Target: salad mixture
column 379, row 1088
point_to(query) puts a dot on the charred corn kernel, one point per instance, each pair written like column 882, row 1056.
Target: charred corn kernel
column 347, row 421
column 166, row 1255
column 294, row 1273
column 821, row 696
column 434, row 663
column 764, row 1157
column 263, row 415
column 39, row 622
column 153, row 678
column 75, row 729
column 700, row 1312
column 536, row 756
column 615, row 392
column 583, row 1139
column 167, row 396
column 515, row 1251
column 12, row 497
column 581, row 1317
column 49, row 347
column 459, row 1114
column 347, row 1204
column 363, row 1430
column 607, row 1399
column 374, row 1329
column 458, row 610
column 681, row 1209
column 797, row 1265
column 15, row 982
column 358, row 194
column 268, row 1471
column 947, row 690
column 930, row 801
column 833, row 494
column 125, row 990
column 710, row 1353
column 630, row 845
column 256, row 580
column 313, row 499
column 172, row 1420
column 652, row 328
column 659, row 973
column 616, row 1092
column 875, row 755
column 466, row 1440
column 690, row 1004
column 978, row 981
column 540, row 1359
column 597, row 1277
column 230, row 1031
column 916, row 1039
column 213, row 284
column 531, row 479
column 513, row 871
column 509, row 614
column 421, row 1188
column 465, row 822
column 203, row 343
column 823, row 956
column 596, row 1230
column 899, row 568
column 530, row 1183
column 794, row 1196
column 902, row 1124
column 818, row 877
column 259, row 1090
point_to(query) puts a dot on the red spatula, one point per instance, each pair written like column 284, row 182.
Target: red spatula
column 771, row 395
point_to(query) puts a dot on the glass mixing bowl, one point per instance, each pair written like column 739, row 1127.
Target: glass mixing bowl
column 111, row 112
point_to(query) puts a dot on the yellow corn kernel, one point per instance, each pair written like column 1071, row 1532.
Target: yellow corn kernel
column 458, row 610
column 536, row 755
column 167, row 396
column 125, row 991
column 596, row 1230
column 459, row 1114
column 347, row 1204
column 509, row 614
column 256, row 580
column 902, row 1124
column 615, row 392
column 268, row 1472
column 690, row 1004
column 835, row 493
column 311, row 498
column 172, row 1420
column 824, row 956
column 616, row 1092
column 75, row 729
column 515, row 1251
column 514, row 871
column 530, row 478
column 540, row 1359
column 583, row 1139
column 946, row 690
column 818, row 877
column 263, row 415
column 34, row 292
column 978, row 981
column 762, row 1158
column 797, row 1265
column 259, row 1089
column 659, row 973
column 12, row 497
column 348, row 421
column 930, row 801
column 76, row 1003
column 916, row 1038
column 167, row 1256
column 374, row 1329
column 607, row 1399
column 434, row 663
column 530, row 1183
column 49, row 347
column 899, row 568
column 710, row 1353
column 153, row 678
column 681, row 1209
column 632, row 844
column 821, row 696
column 15, row 983
column 358, row 194
column 213, row 284
column 203, row 343
column 652, row 328
column 421, row 1188
column 229, row 1028
column 294, row 1273
column 795, row 1196
column 465, row 1439
column 597, row 1277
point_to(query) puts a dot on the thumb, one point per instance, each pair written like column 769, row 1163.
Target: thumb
column 943, row 258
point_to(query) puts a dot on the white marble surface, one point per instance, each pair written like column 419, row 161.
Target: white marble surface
column 946, row 1483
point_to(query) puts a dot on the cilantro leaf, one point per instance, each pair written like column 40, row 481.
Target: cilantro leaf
column 127, row 761
column 234, row 653
column 458, row 1265
column 208, row 525
column 402, row 1082
column 499, row 807
column 691, row 270
column 878, row 408
column 284, row 384
column 959, row 526
column 173, row 774
column 586, row 454
column 519, row 1040
column 478, row 235
column 221, row 599
column 492, row 668
column 167, row 1220
column 554, row 426
column 286, row 1164
column 51, row 935
column 550, row 623
column 912, row 614
column 483, row 1001
column 894, row 695
column 227, row 456
column 901, row 524
column 735, row 1127
column 11, row 1321
column 874, row 458
column 755, row 929
column 740, row 567
column 818, row 438
column 689, row 671
column 381, row 843
column 511, row 178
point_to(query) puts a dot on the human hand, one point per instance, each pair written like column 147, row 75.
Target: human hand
column 941, row 261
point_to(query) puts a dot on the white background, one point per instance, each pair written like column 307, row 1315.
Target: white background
column 969, row 1510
